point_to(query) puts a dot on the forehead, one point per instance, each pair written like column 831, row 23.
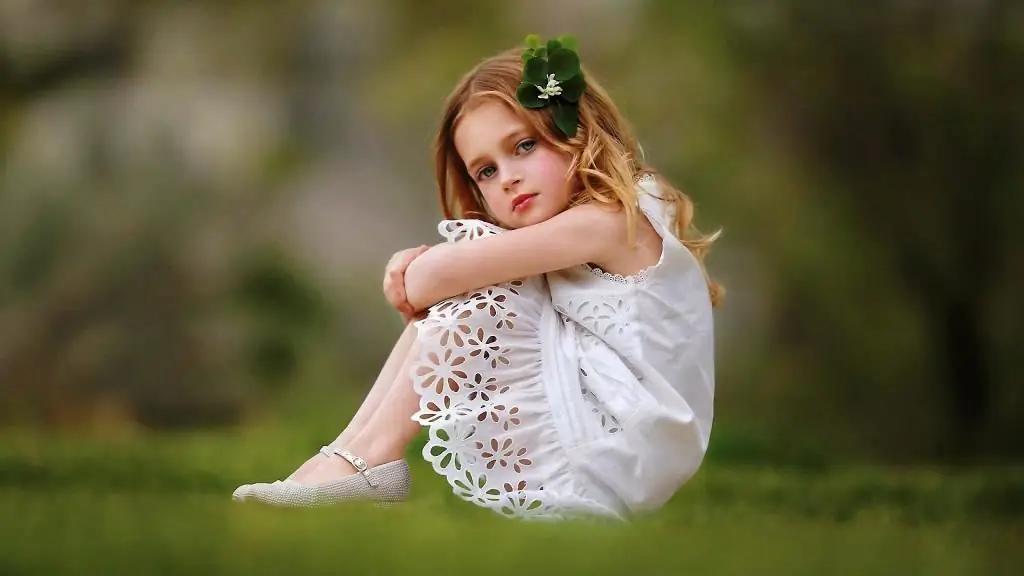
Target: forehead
column 484, row 124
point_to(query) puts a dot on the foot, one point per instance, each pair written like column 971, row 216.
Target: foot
column 309, row 466
column 320, row 457
column 336, row 467
column 327, row 469
column 384, row 484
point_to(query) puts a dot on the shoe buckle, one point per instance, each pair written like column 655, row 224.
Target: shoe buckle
column 359, row 464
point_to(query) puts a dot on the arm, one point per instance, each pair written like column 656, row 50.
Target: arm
column 579, row 235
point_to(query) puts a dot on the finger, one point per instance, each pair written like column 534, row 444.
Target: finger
column 398, row 288
column 394, row 296
column 410, row 255
column 394, row 261
column 395, row 300
column 414, row 315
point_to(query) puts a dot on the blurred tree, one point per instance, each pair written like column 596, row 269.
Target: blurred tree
column 34, row 60
column 908, row 118
column 282, row 312
column 116, row 253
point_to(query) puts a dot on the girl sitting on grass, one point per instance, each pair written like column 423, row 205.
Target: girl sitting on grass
column 559, row 344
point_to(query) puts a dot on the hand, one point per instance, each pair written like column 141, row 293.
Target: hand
column 394, row 281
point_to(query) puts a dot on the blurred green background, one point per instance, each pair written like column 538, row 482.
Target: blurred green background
column 197, row 200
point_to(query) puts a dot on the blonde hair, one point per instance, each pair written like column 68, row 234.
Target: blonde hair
column 606, row 156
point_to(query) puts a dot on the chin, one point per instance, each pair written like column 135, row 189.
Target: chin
column 533, row 215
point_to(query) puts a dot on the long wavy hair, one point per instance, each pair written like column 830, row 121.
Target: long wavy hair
column 606, row 158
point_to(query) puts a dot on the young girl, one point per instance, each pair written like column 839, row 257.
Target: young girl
column 559, row 345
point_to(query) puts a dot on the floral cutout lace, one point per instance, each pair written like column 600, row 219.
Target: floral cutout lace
column 603, row 316
column 609, row 423
column 459, row 230
column 470, row 382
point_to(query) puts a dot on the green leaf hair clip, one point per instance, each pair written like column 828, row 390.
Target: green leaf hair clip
column 552, row 77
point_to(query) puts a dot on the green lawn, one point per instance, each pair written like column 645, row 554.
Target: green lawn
column 162, row 506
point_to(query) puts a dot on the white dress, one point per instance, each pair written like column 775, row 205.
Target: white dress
column 572, row 393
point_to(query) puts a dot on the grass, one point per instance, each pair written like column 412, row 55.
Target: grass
column 161, row 505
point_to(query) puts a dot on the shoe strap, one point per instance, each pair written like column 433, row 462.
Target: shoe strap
column 358, row 463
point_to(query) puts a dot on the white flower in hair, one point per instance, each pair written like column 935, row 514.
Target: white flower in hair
column 552, row 89
column 552, row 77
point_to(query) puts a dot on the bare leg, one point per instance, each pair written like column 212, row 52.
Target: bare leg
column 386, row 434
column 381, row 387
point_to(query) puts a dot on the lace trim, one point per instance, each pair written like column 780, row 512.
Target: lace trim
column 641, row 276
column 637, row 278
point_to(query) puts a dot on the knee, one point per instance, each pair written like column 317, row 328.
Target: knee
column 515, row 305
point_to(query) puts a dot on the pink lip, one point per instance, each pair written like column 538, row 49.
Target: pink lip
column 521, row 201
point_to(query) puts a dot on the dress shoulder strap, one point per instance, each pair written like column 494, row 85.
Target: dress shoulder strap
column 659, row 210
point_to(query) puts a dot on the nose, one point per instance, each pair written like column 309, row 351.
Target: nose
column 510, row 179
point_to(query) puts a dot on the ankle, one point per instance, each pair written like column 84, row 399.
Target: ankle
column 379, row 452
column 347, row 436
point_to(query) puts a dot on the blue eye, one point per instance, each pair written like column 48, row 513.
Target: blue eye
column 486, row 172
column 527, row 145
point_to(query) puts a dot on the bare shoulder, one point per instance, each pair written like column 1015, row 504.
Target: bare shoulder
column 608, row 232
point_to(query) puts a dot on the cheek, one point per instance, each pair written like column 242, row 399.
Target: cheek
column 492, row 196
column 551, row 168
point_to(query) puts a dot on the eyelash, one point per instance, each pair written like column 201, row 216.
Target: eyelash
column 530, row 141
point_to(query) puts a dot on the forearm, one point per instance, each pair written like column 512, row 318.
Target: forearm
column 576, row 236
column 428, row 280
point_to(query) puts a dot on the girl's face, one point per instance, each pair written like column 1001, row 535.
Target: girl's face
column 523, row 180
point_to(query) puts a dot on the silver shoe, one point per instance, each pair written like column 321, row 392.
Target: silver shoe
column 327, row 451
column 384, row 484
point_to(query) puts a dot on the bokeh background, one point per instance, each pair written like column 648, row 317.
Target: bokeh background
column 197, row 200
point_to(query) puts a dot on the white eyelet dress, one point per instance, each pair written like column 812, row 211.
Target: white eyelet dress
column 575, row 393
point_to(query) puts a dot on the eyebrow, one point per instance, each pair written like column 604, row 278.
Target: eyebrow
column 512, row 135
